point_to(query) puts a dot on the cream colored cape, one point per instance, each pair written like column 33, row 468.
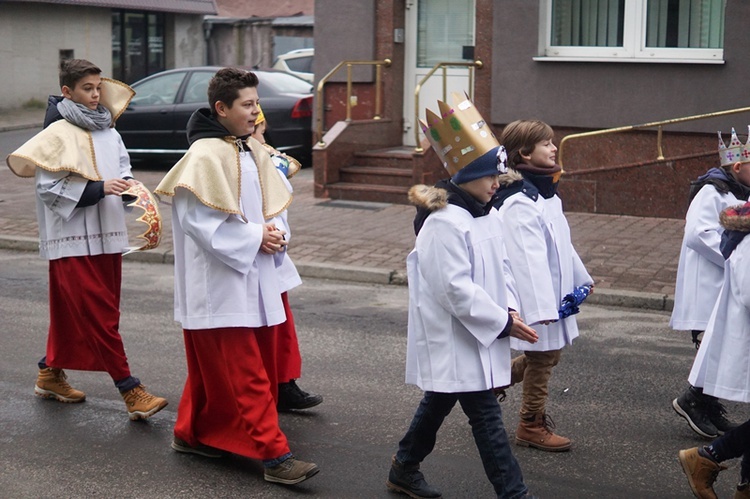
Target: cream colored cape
column 211, row 170
column 63, row 146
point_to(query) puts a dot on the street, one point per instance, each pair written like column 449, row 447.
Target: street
column 611, row 394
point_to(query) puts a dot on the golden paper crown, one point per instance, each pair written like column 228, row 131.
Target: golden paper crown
column 459, row 135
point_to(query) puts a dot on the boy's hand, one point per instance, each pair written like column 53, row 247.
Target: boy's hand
column 523, row 332
column 115, row 186
column 273, row 240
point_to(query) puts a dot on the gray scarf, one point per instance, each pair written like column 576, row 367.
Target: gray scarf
column 88, row 119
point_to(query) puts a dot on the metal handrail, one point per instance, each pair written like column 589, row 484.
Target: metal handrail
column 444, row 65
column 659, row 124
column 378, row 90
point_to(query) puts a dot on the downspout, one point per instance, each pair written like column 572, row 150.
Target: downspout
column 207, row 27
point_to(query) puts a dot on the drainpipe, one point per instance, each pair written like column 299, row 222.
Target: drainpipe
column 207, row 26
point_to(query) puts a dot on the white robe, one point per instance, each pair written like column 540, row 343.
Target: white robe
column 288, row 276
column 457, row 305
column 222, row 279
column 700, row 272
column 545, row 267
column 722, row 366
column 67, row 231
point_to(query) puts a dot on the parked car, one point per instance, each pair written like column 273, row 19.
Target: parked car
column 298, row 62
column 154, row 125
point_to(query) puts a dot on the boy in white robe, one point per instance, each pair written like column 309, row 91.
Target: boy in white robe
column 722, row 366
column 81, row 169
column 546, row 269
column 700, row 272
column 289, row 362
column 458, row 346
column 228, row 294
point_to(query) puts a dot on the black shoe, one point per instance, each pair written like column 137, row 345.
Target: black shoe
column 292, row 397
column 407, row 479
column 691, row 406
column 717, row 414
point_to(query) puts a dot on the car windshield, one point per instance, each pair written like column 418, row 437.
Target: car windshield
column 159, row 90
column 284, row 83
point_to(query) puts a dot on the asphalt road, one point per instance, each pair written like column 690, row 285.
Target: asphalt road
column 611, row 394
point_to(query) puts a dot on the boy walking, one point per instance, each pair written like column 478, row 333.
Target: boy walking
column 700, row 272
column 546, row 269
column 459, row 321
column 228, row 295
column 722, row 364
column 81, row 169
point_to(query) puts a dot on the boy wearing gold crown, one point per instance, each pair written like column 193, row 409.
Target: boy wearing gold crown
column 228, row 295
column 722, row 365
column 81, row 169
column 700, row 271
column 289, row 362
column 546, row 268
column 458, row 347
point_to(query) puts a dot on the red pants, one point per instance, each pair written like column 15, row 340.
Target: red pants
column 227, row 401
column 84, row 306
column 289, row 361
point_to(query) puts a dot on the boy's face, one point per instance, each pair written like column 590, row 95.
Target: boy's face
column 543, row 155
column 742, row 173
column 483, row 188
column 86, row 91
column 260, row 129
column 240, row 118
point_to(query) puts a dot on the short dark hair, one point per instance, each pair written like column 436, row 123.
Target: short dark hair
column 72, row 70
column 226, row 84
column 521, row 136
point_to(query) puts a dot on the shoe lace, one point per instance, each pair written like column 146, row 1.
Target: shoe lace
column 500, row 394
column 717, row 409
column 61, row 378
column 548, row 423
column 296, row 389
column 139, row 393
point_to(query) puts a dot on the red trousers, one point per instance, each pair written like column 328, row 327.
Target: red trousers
column 289, row 360
column 84, row 306
column 227, row 402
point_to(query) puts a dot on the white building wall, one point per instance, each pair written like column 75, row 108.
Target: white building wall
column 31, row 37
column 189, row 41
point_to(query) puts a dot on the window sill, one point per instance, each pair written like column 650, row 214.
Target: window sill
column 652, row 60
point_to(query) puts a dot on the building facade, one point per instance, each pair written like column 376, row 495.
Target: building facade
column 579, row 65
column 128, row 39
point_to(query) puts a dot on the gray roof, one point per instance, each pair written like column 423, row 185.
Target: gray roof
column 176, row 6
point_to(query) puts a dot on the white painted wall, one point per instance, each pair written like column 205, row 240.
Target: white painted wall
column 189, row 42
column 31, row 37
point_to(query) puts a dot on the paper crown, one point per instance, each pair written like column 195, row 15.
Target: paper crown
column 459, row 135
column 736, row 151
column 261, row 117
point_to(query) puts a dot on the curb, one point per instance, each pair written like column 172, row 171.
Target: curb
column 11, row 128
column 368, row 275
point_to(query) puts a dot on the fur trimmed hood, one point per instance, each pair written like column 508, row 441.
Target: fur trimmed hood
column 736, row 218
column 509, row 178
column 428, row 197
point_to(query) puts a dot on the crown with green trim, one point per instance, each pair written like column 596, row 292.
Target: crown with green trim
column 736, row 151
column 459, row 135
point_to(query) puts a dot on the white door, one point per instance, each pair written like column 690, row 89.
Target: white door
column 436, row 31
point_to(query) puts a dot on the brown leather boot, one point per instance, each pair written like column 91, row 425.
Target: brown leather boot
column 52, row 383
column 701, row 472
column 535, row 430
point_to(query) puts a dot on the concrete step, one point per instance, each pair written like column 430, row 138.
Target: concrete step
column 368, row 192
column 376, row 175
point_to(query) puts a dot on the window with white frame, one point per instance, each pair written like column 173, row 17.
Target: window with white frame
column 633, row 30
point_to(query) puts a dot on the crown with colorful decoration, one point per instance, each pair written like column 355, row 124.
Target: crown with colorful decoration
column 736, row 151
column 459, row 135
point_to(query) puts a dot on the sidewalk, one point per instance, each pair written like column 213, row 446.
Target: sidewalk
column 633, row 259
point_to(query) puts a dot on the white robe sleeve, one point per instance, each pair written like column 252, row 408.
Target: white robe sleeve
column 581, row 276
column 526, row 245
column 702, row 229
column 445, row 265
column 740, row 268
column 224, row 235
column 60, row 191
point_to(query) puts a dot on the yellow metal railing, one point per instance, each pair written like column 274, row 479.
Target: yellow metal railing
column 658, row 124
column 473, row 65
column 378, row 90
